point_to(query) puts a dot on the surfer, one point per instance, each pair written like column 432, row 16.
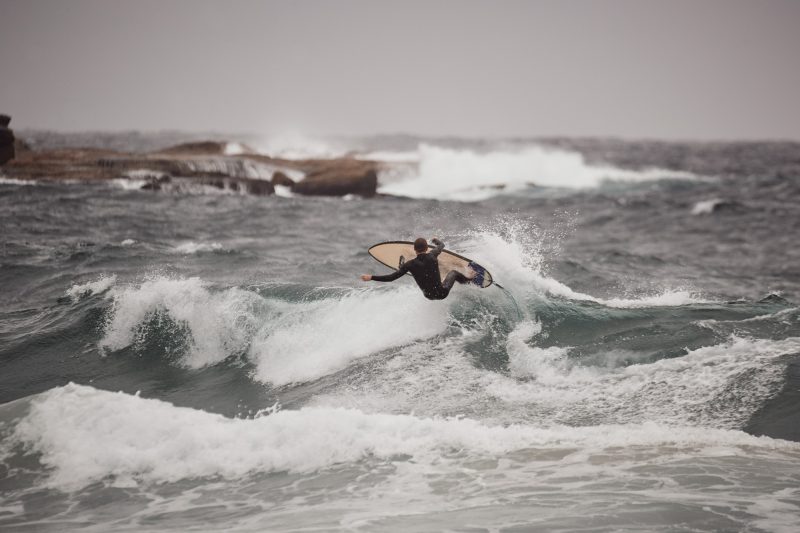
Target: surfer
column 425, row 269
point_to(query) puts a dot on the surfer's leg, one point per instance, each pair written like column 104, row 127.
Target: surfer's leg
column 452, row 277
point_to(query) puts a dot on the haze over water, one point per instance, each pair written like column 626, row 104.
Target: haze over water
column 717, row 69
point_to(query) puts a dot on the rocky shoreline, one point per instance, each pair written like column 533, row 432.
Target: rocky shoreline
column 208, row 163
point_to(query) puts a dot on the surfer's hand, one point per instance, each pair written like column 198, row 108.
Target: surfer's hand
column 366, row 277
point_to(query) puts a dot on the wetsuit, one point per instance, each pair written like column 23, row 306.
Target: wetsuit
column 425, row 269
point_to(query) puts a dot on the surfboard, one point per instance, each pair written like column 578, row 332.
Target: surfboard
column 395, row 253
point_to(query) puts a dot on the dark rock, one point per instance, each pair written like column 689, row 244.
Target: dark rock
column 249, row 185
column 154, row 183
column 335, row 182
column 6, row 136
column 6, row 153
column 196, row 148
column 279, row 178
column 259, row 187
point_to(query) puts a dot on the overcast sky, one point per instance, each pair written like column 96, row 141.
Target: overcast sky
column 697, row 69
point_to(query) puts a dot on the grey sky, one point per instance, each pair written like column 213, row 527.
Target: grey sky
column 697, row 69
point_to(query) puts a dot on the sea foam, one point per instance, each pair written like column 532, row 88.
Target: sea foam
column 14, row 181
column 192, row 247
column 740, row 370
column 312, row 339
column 86, row 435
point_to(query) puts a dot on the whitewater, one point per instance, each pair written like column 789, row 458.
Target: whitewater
column 200, row 361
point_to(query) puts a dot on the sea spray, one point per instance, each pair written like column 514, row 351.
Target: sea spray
column 516, row 251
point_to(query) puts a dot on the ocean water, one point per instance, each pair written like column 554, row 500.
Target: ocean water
column 200, row 361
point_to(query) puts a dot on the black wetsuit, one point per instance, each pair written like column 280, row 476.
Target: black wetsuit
column 425, row 269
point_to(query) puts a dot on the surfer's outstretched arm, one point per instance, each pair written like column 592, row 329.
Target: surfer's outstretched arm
column 388, row 277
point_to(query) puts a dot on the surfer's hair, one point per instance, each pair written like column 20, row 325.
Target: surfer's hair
column 420, row 245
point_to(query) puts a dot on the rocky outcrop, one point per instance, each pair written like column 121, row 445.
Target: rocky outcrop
column 7, row 151
column 73, row 165
column 203, row 163
column 338, row 183
column 338, row 177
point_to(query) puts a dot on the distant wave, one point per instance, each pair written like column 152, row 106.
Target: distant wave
column 14, row 181
column 192, row 247
column 98, row 286
column 468, row 175
column 708, row 207
column 129, row 184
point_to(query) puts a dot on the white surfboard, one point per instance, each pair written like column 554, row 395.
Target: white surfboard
column 395, row 253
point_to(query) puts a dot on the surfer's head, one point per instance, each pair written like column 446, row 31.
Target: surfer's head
column 420, row 245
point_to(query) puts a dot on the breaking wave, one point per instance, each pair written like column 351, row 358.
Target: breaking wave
column 137, row 440
column 467, row 175
column 302, row 338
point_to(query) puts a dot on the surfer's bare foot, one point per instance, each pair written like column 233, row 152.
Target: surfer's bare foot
column 470, row 275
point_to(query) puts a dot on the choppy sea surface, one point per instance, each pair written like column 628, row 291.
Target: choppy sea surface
column 199, row 361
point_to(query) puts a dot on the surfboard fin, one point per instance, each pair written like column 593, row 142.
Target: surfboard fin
column 480, row 274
